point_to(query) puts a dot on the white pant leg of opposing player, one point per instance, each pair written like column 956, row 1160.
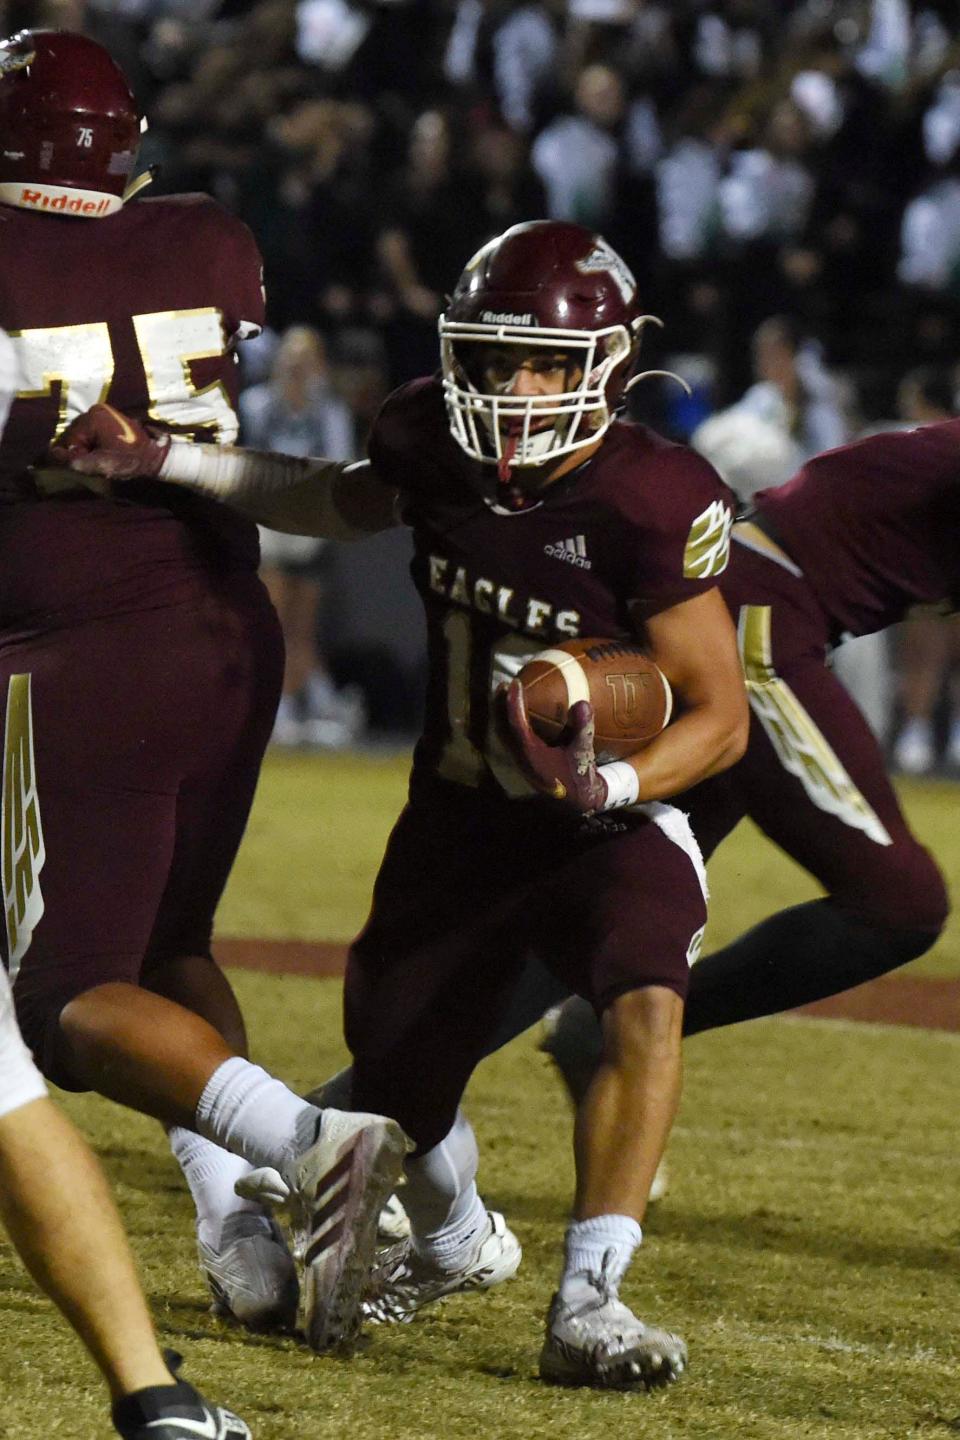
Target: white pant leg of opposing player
column 20, row 1080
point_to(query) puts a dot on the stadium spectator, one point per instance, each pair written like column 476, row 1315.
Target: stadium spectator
column 792, row 412
column 928, row 647
column 299, row 413
column 431, row 212
column 593, row 160
column 504, row 51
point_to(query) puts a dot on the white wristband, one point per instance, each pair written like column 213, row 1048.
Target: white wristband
column 623, row 784
column 228, row 473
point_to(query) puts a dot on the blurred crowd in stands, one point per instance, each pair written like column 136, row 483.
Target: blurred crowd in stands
column 783, row 176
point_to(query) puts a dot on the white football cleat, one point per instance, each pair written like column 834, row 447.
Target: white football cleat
column 338, row 1188
column 597, row 1340
column 404, row 1283
column 251, row 1273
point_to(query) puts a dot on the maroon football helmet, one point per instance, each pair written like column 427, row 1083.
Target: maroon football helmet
column 549, row 287
column 69, row 125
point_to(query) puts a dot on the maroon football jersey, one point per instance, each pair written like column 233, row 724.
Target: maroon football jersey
column 140, row 309
column 642, row 525
column 875, row 526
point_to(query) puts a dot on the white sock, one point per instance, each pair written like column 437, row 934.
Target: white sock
column 588, row 1243
column 251, row 1114
column 211, row 1174
column 440, row 1197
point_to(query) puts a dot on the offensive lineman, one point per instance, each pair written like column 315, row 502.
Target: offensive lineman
column 140, row 664
column 60, row 1215
column 513, row 454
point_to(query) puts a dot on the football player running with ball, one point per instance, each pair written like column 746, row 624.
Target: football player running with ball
column 513, row 452
column 492, row 468
column 140, row 666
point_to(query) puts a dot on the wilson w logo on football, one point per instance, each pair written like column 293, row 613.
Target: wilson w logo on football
column 628, row 703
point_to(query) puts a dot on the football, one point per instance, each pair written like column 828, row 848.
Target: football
column 631, row 698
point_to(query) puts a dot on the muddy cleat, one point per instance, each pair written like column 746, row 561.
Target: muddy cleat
column 252, row 1274
column 403, row 1282
column 175, row 1412
column 338, row 1188
column 598, row 1341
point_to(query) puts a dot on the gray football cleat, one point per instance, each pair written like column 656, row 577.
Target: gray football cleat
column 403, row 1283
column 338, row 1188
column 599, row 1341
column 251, row 1273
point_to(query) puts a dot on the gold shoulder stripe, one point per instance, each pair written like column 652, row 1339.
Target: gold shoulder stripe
column 21, row 835
column 708, row 544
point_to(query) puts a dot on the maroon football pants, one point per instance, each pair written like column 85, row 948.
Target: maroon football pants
column 814, row 778
column 469, row 891
column 148, row 732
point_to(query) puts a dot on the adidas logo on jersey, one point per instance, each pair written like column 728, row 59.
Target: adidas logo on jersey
column 574, row 551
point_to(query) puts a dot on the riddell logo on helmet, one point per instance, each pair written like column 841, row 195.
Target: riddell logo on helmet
column 505, row 317
column 72, row 205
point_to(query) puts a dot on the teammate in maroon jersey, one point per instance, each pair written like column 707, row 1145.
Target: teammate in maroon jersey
column 140, row 661
column 847, row 547
column 498, row 467
column 58, row 1211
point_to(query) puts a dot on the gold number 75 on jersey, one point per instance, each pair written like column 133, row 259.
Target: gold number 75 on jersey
column 80, row 359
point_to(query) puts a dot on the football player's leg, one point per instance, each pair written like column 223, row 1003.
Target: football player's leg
column 814, row 781
column 625, row 919
column 112, row 758
column 57, row 1209
column 243, row 1255
column 572, row 1037
column 417, row 1031
column 427, row 982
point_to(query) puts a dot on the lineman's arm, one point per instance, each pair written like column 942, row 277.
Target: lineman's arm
column 308, row 496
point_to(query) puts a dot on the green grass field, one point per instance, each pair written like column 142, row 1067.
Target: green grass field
column 809, row 1250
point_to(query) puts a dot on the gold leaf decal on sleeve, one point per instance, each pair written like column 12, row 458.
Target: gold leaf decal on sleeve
column 800, row 746
column 22, row 834
column 708, row 544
